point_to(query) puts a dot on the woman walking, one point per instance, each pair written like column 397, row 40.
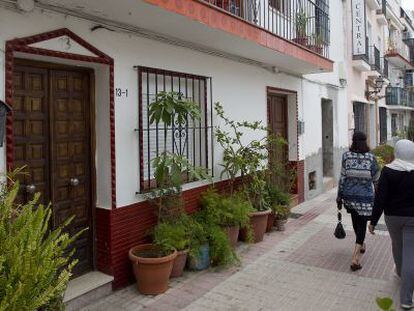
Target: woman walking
column 356, row 190
column 395, row 197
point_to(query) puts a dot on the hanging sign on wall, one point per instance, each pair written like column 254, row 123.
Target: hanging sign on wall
column 358, row 28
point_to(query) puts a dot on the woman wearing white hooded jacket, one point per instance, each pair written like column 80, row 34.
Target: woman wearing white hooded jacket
column 395, row 197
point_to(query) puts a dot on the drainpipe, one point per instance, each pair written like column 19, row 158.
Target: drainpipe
column 376, row 120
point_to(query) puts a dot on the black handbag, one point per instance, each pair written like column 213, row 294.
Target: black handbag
column 339, row 232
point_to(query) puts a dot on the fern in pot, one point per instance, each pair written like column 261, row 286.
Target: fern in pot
column 230, row 212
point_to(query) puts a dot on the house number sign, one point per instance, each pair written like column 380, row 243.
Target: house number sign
column 121, row 93
column 358, row 28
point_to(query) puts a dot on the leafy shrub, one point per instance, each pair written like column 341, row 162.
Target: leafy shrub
column 221, row 252
column 277, row 197
column 384, row 154
column 174, row 235
column 226, row 210
column 34, row 269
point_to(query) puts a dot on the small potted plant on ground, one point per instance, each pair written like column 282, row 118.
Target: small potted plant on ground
column 282, row 210
column 220, row 251
column 199, row 255
column 301, row 25
column 175, row 235
column 152, row 263
column 229, row 212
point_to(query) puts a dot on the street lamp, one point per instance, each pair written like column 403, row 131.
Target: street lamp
column 378, row 85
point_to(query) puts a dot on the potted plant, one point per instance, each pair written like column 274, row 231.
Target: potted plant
column 175, row 235
column 317, row 43
column 247, row 160
column 221, row 253
column 301, row 25
column 282, row 210
column 199, row 255
column 229, row 212
column 152, row 263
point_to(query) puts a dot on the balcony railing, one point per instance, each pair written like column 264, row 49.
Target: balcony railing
column 385, row 68
column 305, row 22
column 397, row 96
column 408, row 38
column 375, row 58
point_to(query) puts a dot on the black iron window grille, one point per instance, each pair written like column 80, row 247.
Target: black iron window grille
column 193, row 140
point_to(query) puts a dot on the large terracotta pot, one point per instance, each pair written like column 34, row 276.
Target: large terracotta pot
column 151, row 272
column 179, row 264
column 270, row 221
column 258, row 223
column 233, row 234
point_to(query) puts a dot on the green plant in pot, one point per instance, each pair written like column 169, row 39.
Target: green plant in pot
column 246, row 159
column 317, row 43
column 35, row 264
column 281, row 209
column 221, row 253
column 301, row 28
column 153, row 263
column 175, row 235
column 199, row 254
column 230, row 212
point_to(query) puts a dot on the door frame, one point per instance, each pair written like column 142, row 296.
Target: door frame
column 92, row 133
column 23, row 45
column 295, row 161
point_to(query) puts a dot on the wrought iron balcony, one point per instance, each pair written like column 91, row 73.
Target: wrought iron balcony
column 408, row 38
column 375, row 58
column 305, row 22
column 398, row 96
column 385, row 68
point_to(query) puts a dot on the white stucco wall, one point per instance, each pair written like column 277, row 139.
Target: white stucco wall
column 240, row 88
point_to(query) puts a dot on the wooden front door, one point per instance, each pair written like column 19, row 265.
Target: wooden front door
column 52, row 137
column 278, row 122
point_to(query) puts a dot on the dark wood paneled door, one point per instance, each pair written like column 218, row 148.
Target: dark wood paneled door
column 278, row 123
column 52, row 137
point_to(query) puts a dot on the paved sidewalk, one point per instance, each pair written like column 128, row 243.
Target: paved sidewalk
column 303, row 268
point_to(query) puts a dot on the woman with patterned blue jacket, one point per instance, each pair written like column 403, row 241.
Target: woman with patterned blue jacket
column 356, row 190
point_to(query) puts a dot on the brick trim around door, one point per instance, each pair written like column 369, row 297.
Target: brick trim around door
column 22, row 45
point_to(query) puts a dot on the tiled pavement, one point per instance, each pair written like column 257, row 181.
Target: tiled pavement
column 303, row 268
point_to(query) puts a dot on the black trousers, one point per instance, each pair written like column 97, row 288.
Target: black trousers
column 359, row 223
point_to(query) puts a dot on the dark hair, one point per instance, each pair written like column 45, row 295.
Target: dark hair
column 359, row 143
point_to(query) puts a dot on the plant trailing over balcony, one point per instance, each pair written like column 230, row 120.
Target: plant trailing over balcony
column 34, row 265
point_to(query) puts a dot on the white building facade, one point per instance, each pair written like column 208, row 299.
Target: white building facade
column 79, row 77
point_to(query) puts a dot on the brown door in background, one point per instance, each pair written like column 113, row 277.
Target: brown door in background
column 278, row 122
column 52, row 137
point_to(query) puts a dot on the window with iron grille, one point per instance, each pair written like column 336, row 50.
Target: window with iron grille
column 192, row 140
